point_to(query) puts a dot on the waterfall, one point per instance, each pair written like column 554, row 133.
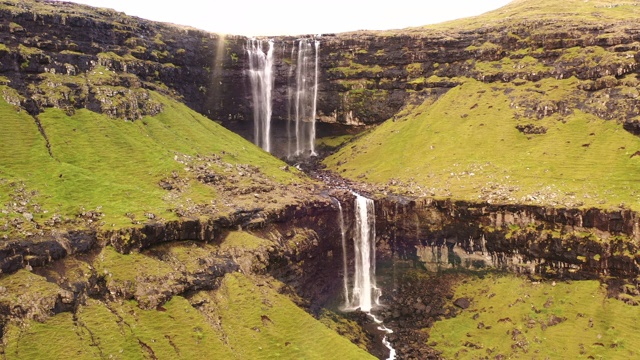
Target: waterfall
column 262, row 80
column 312, row 138
column 364, row 292
column 345, row 270
column 303, row 99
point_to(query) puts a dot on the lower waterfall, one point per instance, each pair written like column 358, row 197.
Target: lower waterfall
column 364, row 292
column 345, row 271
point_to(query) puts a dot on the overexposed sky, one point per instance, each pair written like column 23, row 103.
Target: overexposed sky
column 285, row 17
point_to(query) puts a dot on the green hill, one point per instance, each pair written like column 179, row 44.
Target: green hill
column 467, row 145
column 533, row 103
column 121, row 173
column 548, row 11
column 245, row 318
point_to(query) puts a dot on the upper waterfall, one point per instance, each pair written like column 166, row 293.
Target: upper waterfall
column 302, row 73
column 303, row 98
column 262, row 81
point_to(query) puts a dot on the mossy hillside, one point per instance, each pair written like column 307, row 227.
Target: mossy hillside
column 261, row 324
column 115, row 167
column 523, row 41
column 123, row 270
column 188, row 256
column 466, row 146
column 155, row 275
column 523, row 11
column 242, row 240
column 332, row 142
column 515, row 318
column 118, row 331
column 245, row 319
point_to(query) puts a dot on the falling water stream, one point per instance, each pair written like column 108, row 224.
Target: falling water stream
column 345, row 271
column 262, row 81
column 302, row 93
column 364, row 293
column 304, row 97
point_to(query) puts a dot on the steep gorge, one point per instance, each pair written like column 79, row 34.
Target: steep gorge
column 549, row 72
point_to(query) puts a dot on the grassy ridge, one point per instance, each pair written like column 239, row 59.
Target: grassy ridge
column 466, row 146
column 515, row 318
column 115, row 167
column 546, row 10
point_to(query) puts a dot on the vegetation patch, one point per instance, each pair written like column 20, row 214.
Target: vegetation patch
column 260, row 323
column 467, row 146
column 117, row 167
column 332, row 142
column 511, row 317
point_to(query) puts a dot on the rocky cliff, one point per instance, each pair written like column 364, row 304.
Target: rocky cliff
column 568, row 243
column 51, row 50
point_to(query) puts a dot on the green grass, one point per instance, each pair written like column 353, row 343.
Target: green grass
column 25, row 287
column 116, row 166
column 261, row 324
column 593, row 326
column 525, row 12
column 333, row 142
column 116, row 331
column 354, row 69
column 247, row 321
column 125, row 268
column 466, row 146
column 242, row 240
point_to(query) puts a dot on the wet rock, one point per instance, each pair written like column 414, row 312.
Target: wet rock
column 462, row 303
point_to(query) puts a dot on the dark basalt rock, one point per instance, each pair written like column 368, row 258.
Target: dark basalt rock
column 462, row 303
column 554, row 242
column 39, row 251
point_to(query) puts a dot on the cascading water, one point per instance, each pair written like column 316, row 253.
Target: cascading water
column 364, row 293
column 262, row 81
column 343, row 233
column 303, row 99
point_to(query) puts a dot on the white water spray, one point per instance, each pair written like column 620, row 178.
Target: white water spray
column 365, row 293
column 345, row 270
column 304, row 98
column 312, row 139
column 262, row 80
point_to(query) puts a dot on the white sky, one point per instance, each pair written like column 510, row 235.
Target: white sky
column 286, row 17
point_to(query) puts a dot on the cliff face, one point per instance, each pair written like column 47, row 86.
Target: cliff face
column 364, row 78
column 568, row 243
column 50, row 50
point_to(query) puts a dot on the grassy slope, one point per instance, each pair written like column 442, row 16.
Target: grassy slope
column 466, row 146
column 593, row 326
column 247, row 321
column 115, row 332
column 260, row 324
column 115, row 166
column 545, row 10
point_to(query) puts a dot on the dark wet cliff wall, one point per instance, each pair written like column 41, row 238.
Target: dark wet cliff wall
column 572, row 243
